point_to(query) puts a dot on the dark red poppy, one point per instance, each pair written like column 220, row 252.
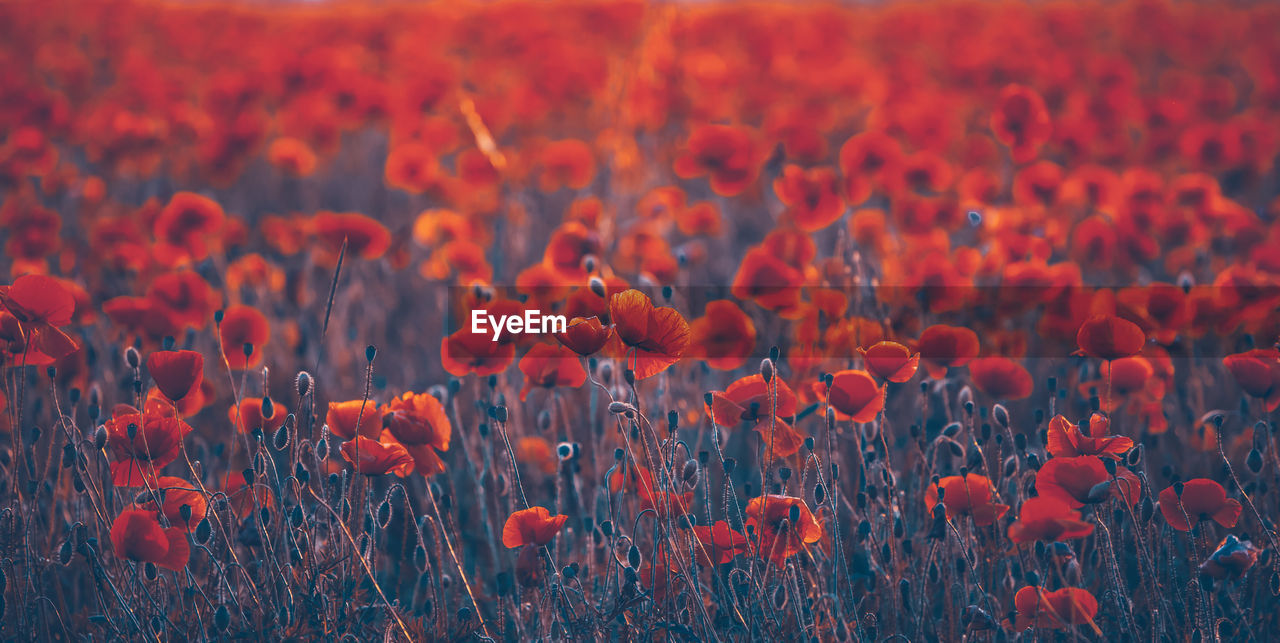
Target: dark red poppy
column 549, row 366
column 566, row 163
column 856, row 394
column 1047, row 519
column 143, row 450
column 727, row 153
column 365, row 237
column 751, row 399
column 585, row 335
column 970, row 495
column 720, row 543
column 1231, row 559
column 811, row 196
column 176, row 373
column 247, row 416
column 654, row 337
column 724, row 336
column 1258, row 373
column 136, row 534
column 533, row 526
column 186, row 295
column 419, row 422
column 1054, row 610
column 1001, row 378
column 768, row 280
column 890, row 361
column 188, row 222
column 766, row 515
column 1109, row 337
column 176, row 493
column 865, row 159
column 1021, row 121
column 464, row 352
column 378, row 457
column 243, row 326
column 942, row 347
column 1066, row 440
column 1202, row 499
column 342, row 418
column 41, row 304
column 1079, row 480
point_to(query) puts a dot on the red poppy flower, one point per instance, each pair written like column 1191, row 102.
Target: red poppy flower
column 176, row 373
column 292, row 156
column 418, row 422
column 549, row 366
column 1054, row 610
column 890, row 361
column 188, row 222
column 176, row 493
column 569, row 245
column 566, row 163
column 811, row 196
column 1109, row 337
column 1077, row 481
column 865, row 159
column 533, row 526
column 856, row 394
column 241, row 326
column 343, row 416
column 765, row 514
column 1231, row 559
column 186, row 295
column 247, row 416
column 725, row 152
column 942, row 347
column 1001, row 378
column 412, row 167
column 720, row 543
column 464, row 352
column 767, row 280
column 971, row 495
column 656, row 337
column 1202, row 499
column 750, row 399
column 724, row 336
column 365, row 237
column 585, row 335
column 156, row 441
column 41, row 304
column 1047, row 519
column 1066, row 440
column 136, row 534
column 242, row 500
column 378, row 457
column 780, row 438
column 1021, row 121
column 1258, row 373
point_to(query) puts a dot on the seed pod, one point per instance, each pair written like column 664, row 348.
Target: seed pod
column 1254, row 461
column 633, row 557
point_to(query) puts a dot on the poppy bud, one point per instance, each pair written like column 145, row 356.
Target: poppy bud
column 620, row 407
column 544, row 420
column 690, row 470
column 500, row 414
column 370, row 352
column 1099, row 492
column 633, row 557
column 247, row 349
column 303, row 383
column 384, row 514
column 766, row 370
column 673, row 420
column 221, row 618
column 1109, row 465
column 629, row 376
column 1000, row 415
column 785, row 474
column 951, row 429
column 597, row 287
column 819, row 494
column 132, row 358
column 729, row 465
column 1254, row 461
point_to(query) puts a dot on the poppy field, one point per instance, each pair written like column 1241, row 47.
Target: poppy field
column 907, row 321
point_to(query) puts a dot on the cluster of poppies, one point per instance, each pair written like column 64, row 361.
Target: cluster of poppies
column 919, row 320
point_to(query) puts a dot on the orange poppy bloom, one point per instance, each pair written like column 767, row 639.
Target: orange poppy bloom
column 751, row 399
column 292, row 156
column 856, row 394
column 769, row 281
column 811, row 196
column 1202, row 499
column 1066, row 440
column 248, row 416
column 365, row 237
column 1001, row 378
column 243, row 326
column 971, row 495
column 1048, row 519
column 136, row 534
column 1021, row 122
column 533, row 526
column 865, row 160
column 156, row 441
column 40, row 304
column 419, row 423
column 377, row 457
column 549, row 366
column 701, row 218
column 536, row 452
column 412, row 167
column 1258, row 373
column 724, row 336
column 1054, row 610
column 766, row 514
column 890, row 361
column 343, row 416
column 942, row 347
column 654, row 337
column 566, row 163
column 720, row 543
column 727, row 153
column 464, row 352
column 1109, row 337
column 176, row 373
column 1077, row 481
column 585, row 335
